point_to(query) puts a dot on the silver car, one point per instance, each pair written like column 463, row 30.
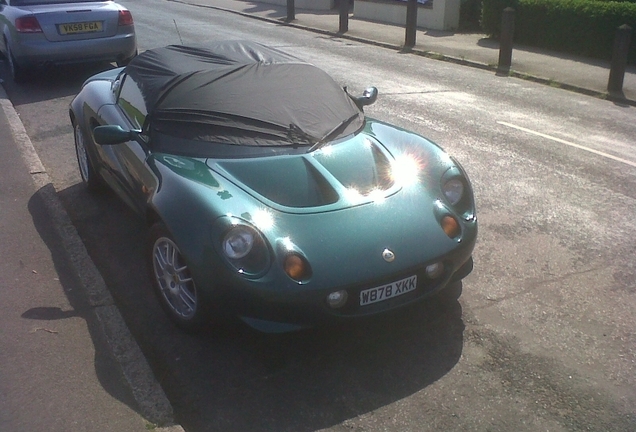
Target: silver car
column 41, row 32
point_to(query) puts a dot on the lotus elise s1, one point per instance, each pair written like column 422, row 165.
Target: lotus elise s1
column 268, row 193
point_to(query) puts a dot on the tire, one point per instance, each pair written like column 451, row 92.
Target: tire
column 172, row 282
column 18, row 74
column 90, row 177
column 124, row 62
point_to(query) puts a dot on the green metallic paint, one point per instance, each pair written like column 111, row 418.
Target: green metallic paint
column 304, row 200
column 343, row 241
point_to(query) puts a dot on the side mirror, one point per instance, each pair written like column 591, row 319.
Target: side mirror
column 368, row 97
column 109, row 135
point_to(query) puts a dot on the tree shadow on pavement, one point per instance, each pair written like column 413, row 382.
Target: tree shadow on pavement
column 487, row 42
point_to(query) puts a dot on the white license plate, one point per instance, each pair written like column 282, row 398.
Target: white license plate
column 385, row 292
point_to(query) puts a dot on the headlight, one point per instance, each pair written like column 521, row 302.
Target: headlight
column 238, row 242
column 242, row 246
column 453, row 190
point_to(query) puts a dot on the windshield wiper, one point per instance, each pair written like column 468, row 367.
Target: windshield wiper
column 332, row 133
column 297, row 135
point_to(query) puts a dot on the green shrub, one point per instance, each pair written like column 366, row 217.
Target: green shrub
column 491, row 11
column 585, row 28
column 470, row 15
column 582, row 27
column 618, row 1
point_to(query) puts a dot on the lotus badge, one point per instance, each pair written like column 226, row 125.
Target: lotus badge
column 388, row 255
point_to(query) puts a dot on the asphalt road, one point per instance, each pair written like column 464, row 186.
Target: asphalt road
column 542, row 337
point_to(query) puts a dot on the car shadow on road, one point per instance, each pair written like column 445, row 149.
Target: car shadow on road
column 236, row 379
column 233, row 378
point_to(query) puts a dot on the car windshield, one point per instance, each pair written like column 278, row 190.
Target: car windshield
column 49, row 2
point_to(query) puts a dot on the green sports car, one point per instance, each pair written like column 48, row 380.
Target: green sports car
column 268, row 193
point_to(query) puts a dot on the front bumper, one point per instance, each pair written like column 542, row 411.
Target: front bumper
column 284, row 311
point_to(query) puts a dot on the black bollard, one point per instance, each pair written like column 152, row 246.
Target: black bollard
column 505, row 39
column 344, row 16
column 291, row 10
column 622, row 39
column 411, row 23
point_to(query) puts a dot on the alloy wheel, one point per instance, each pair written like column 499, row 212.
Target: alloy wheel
column 173, row 279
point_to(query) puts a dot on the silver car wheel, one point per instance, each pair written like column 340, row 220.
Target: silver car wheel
column 82, row 155
column 173, row 279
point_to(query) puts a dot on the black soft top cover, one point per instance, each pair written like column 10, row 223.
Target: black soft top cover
column 241, row 93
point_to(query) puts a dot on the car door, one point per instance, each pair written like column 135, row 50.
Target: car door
column 128, row 171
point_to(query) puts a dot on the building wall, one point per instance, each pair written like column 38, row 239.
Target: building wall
column 305, row 4
column 434, row 15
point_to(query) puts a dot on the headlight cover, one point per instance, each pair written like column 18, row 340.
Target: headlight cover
column 453, row 190
column 245, row 248
column 238, row 242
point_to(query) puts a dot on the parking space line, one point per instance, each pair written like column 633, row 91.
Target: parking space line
column 571, row 144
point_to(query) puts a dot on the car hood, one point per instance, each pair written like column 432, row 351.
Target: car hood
column 341, row 206
column 361, row 169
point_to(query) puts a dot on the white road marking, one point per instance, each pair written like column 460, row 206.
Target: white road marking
column 571, row 144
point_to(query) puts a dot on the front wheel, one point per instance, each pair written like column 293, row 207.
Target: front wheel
column 173, row 282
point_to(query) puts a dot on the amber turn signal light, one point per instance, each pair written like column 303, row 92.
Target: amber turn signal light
column 296, row 267
column 450, row 226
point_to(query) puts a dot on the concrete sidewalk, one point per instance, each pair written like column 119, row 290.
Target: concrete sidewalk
column 67, row 360
column 584, row 75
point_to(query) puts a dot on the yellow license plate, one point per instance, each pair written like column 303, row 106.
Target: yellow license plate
column 82, row 27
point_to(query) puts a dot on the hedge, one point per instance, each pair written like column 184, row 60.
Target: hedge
column 582, row 27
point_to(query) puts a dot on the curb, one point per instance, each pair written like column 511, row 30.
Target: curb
column 152, row 402
column 616, row 98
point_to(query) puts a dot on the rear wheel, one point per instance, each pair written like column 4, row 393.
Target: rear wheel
column 173, row 282
column 89, row 176
column 17, row 72
column 125, row 61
